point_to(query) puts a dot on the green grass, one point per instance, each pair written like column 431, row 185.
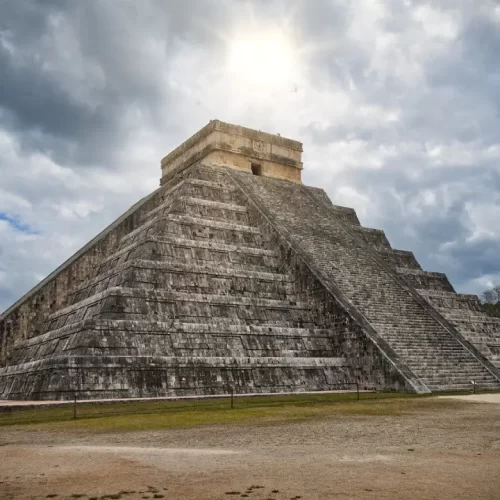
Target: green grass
column 137, row 416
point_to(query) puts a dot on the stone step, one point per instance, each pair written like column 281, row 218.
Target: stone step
column 124, row 376
column 431, row 355
column 346, row 215
column 374, row 238
column 399, row 258
column 449, row 369
column 461, row 387
column 215, row 361
column 125, row 303
column 436, row 355
column 403, row 338
column 452, row 302
column 447, row 295
column 462, row 376
column 195, row 187
column 94, row 342
column 177, row 248
column 189, row 220
column 197, row 228
column 219, row 327
column 426, row 343
column 214, row 210
column 427, row 359
column 32, row 348
column 441, row 373
column 426, row 280
column 230, row 207
column 209, row 190
column 167, row 196
column 412, row 318
column 205, row 277
column 463, row 358
column 172, row 296
column 412, row 345
column 469, row 315
column 224, row 186
column 450, row 378
column 169, row 342
column 429, row 342
column 420, row 328
column 160, row 210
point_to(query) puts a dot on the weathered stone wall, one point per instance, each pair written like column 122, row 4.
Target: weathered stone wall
column 222, row 144
column 220, row 281
column 25, row 318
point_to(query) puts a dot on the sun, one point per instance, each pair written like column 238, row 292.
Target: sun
column 264, row 60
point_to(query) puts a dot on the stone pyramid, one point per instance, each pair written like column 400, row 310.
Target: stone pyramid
column 235, row 274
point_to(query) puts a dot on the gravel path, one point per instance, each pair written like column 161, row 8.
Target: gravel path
column 436, row 454
column 477, row 398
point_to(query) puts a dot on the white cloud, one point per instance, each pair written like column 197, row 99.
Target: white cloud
column 437, row 24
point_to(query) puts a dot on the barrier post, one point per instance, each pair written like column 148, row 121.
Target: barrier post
column 74, row 407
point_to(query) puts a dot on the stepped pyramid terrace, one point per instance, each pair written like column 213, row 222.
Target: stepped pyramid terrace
column 235, row 274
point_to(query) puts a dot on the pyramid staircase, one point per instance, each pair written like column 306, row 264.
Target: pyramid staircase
column 386, row 287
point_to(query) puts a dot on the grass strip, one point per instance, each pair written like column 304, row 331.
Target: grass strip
column 249, row 410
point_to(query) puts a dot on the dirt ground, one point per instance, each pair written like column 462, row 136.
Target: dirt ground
column 450, row 453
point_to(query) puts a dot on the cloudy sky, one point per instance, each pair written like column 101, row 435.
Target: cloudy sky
column 397, row 104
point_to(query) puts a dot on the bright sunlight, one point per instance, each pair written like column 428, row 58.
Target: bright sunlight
column 263, row 60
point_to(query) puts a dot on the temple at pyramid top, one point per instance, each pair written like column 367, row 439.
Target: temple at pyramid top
column 221, row 144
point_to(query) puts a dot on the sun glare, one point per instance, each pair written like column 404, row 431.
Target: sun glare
column 265, row 61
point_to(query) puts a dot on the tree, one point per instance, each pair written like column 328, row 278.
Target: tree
column 491, row 296
column 491, row 301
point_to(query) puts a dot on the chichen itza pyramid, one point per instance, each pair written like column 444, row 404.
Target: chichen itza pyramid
column 233, row 273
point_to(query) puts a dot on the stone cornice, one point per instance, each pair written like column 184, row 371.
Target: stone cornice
column 215, row 125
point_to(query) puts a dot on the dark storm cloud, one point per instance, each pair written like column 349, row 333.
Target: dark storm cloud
column 114, row 44
column 32, row 103
column 45, row 116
